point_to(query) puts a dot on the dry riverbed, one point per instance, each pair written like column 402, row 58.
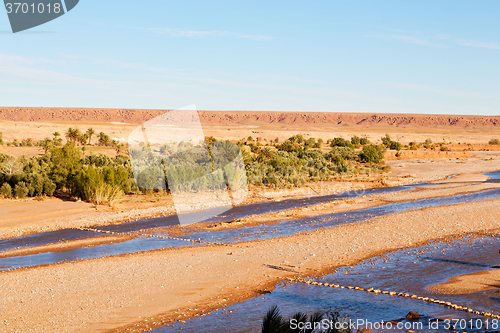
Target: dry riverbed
column 145, row 290
column 136, row 292
column 23, row 217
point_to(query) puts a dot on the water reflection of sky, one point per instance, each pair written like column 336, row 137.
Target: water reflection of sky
column 409, row 271
column 494, row 176
column 256, row 232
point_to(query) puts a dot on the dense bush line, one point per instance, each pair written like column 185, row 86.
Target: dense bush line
column 296, row 162
column 179, row 167
column 63, row 169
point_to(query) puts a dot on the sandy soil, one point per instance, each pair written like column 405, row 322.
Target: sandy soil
column 21, row 217
column 38, row 123
column 470, row 283
column 145, row 290
column 429, row 170
column 66, row 245
column 139, row 291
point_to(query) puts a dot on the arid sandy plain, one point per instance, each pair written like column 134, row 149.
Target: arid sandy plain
column 141, row 291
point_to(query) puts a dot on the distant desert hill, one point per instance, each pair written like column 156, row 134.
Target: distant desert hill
column 255, row 118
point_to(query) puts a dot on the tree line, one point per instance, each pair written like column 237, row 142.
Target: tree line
column 65, row 168
column 180, row 167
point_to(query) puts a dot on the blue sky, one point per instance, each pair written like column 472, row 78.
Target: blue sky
column 359, row 56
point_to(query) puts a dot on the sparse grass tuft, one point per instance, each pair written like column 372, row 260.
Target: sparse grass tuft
column 104, row 194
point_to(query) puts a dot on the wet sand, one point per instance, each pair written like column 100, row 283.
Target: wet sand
column 145, row 290
column 470, row 283
column 66, row 245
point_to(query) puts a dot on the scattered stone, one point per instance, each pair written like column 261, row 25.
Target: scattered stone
column 413, row 315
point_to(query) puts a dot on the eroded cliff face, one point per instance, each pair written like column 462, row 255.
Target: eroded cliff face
column 258, row 118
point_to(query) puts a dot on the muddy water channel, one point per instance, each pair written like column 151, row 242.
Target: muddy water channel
column 247, row 233
column 409, row 271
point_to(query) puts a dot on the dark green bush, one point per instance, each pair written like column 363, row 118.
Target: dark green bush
column 388, row 143
column 492, row 142
column 6, row 190
column 21, row 191
column 372, row 154
column 347, row 153
column 340, row 142
column 299, row 138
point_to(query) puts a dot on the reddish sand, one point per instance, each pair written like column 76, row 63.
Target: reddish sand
column 143, row 290
column 247, row 118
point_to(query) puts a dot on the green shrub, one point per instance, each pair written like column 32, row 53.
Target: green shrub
column 49, row 187
column 21, row 190
column 6, row 190
column 414, row 146
column 346, row 153
column 372, row 154
column 363, row 141
column 299, row 138
column 389, row 143
column 395, row 145
column 494, row 142
column 340, row 142
column 428, row 144
column 289, row 146
column 66, row 163
column 310, row 142
column 386, row 140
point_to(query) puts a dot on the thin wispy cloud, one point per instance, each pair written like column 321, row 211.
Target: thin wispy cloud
column 204, row 34
column 437, row 40
column 407, row 39
column 477, row 43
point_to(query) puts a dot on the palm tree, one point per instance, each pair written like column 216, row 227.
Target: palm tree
column 90, row 133
column 83, row 139
column 56, row 135
column 118, row 148
column 76, row 134
column 47, row 145
column 72, row 134
column 274, row 322
column 103, row 139
column 69, row 134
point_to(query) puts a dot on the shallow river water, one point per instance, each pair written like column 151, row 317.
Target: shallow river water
column 249, row 233
column 408, row 271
